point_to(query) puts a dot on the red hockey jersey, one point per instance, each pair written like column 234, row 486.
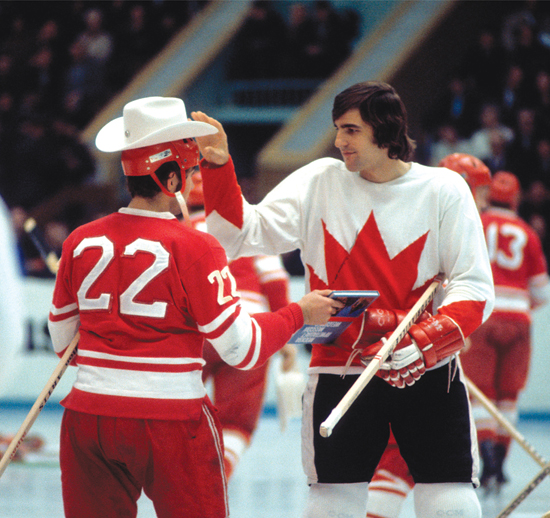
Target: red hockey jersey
column 144, row 291
column 517, row 261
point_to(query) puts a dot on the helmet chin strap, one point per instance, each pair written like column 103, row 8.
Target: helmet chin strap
column 178, row 195
column 183, row 205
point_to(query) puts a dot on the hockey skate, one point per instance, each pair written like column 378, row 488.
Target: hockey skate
column 492, row 476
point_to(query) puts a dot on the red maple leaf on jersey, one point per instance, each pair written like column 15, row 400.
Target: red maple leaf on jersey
column 368, row 266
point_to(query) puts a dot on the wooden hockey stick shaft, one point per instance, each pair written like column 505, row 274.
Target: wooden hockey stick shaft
column 526, row 492
column 39, row 404
column 400, row 331
column 48, row 256
column 493, row 410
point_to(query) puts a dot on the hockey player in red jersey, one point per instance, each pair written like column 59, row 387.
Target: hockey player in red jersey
column 392, row 480
column 144, row 291
column 263, row 285
column 497, row 359
column 374, row 220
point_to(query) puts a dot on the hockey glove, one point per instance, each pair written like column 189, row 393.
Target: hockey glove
column 377, row 323
column 427, row 342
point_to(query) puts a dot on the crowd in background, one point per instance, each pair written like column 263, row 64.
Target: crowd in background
column 60, row 62
column 496, row 106
column 308, row 42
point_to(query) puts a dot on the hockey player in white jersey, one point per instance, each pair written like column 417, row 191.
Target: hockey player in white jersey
column 374, row 220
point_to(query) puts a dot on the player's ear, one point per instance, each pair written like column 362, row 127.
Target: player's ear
column 172, row 182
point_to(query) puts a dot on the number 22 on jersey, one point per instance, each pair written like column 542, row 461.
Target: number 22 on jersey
column 128, row 304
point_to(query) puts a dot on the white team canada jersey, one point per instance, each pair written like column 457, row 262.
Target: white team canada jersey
column 394, row 237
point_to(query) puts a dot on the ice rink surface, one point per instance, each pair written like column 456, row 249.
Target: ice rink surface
column 268, row 483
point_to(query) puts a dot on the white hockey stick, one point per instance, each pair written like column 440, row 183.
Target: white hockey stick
column 68, row 355
column 400, row 331
column 493, row 410
column 48, row 256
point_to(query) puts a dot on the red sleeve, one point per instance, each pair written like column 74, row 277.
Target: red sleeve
column 222, row 192
column 277, row 294
column 467, row 314
column 274, row 280
column 241, row 340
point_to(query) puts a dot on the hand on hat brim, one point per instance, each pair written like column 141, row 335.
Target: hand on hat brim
column 213, row 147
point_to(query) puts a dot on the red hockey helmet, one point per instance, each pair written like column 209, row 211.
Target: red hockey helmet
column 505, row 188
column 145, row 161
column 472, row 169
column 196, row 195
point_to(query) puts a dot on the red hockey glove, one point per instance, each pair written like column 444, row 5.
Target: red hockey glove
column 427, row 342
column 376, row 324
column 379, row 323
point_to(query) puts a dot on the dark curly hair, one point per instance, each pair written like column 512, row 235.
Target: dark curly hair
column 381, row 107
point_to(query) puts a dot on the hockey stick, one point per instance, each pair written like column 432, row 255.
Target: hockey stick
column 493, row 410
column 400, row 331
column 48, row 256
column 39, row 404
column 526, row 492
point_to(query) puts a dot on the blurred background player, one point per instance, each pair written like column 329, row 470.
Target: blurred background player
column 392, row 480
column 12, row 317
column 497, row 361
column 474, row 171
column 263, row 285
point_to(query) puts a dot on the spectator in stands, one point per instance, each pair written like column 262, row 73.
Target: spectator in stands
column 18, row 42
column 485, row 64
column 40, row 77
column 535, row 209
column 97, row 43
column 326, row 48
column 448, row 142
column 8, row 79
column 84, row 85
column 527, row 50
column 133, row 46
column 489, row 118
column 8, row 117
column 259, row 44
column 522, row 150
column 513, row 94
column 298, row 34
column 542, row 167
column 459, row 106
column 497, row 160
column 542, row 99
column 32, row 156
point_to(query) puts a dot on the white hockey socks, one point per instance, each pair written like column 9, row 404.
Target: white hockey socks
column 330, row 500
column 446, row 499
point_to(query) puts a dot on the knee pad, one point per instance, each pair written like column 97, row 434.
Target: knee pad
column 337, row 501
column 457, row 500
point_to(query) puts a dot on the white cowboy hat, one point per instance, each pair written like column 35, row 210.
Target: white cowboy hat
column 149, row 121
